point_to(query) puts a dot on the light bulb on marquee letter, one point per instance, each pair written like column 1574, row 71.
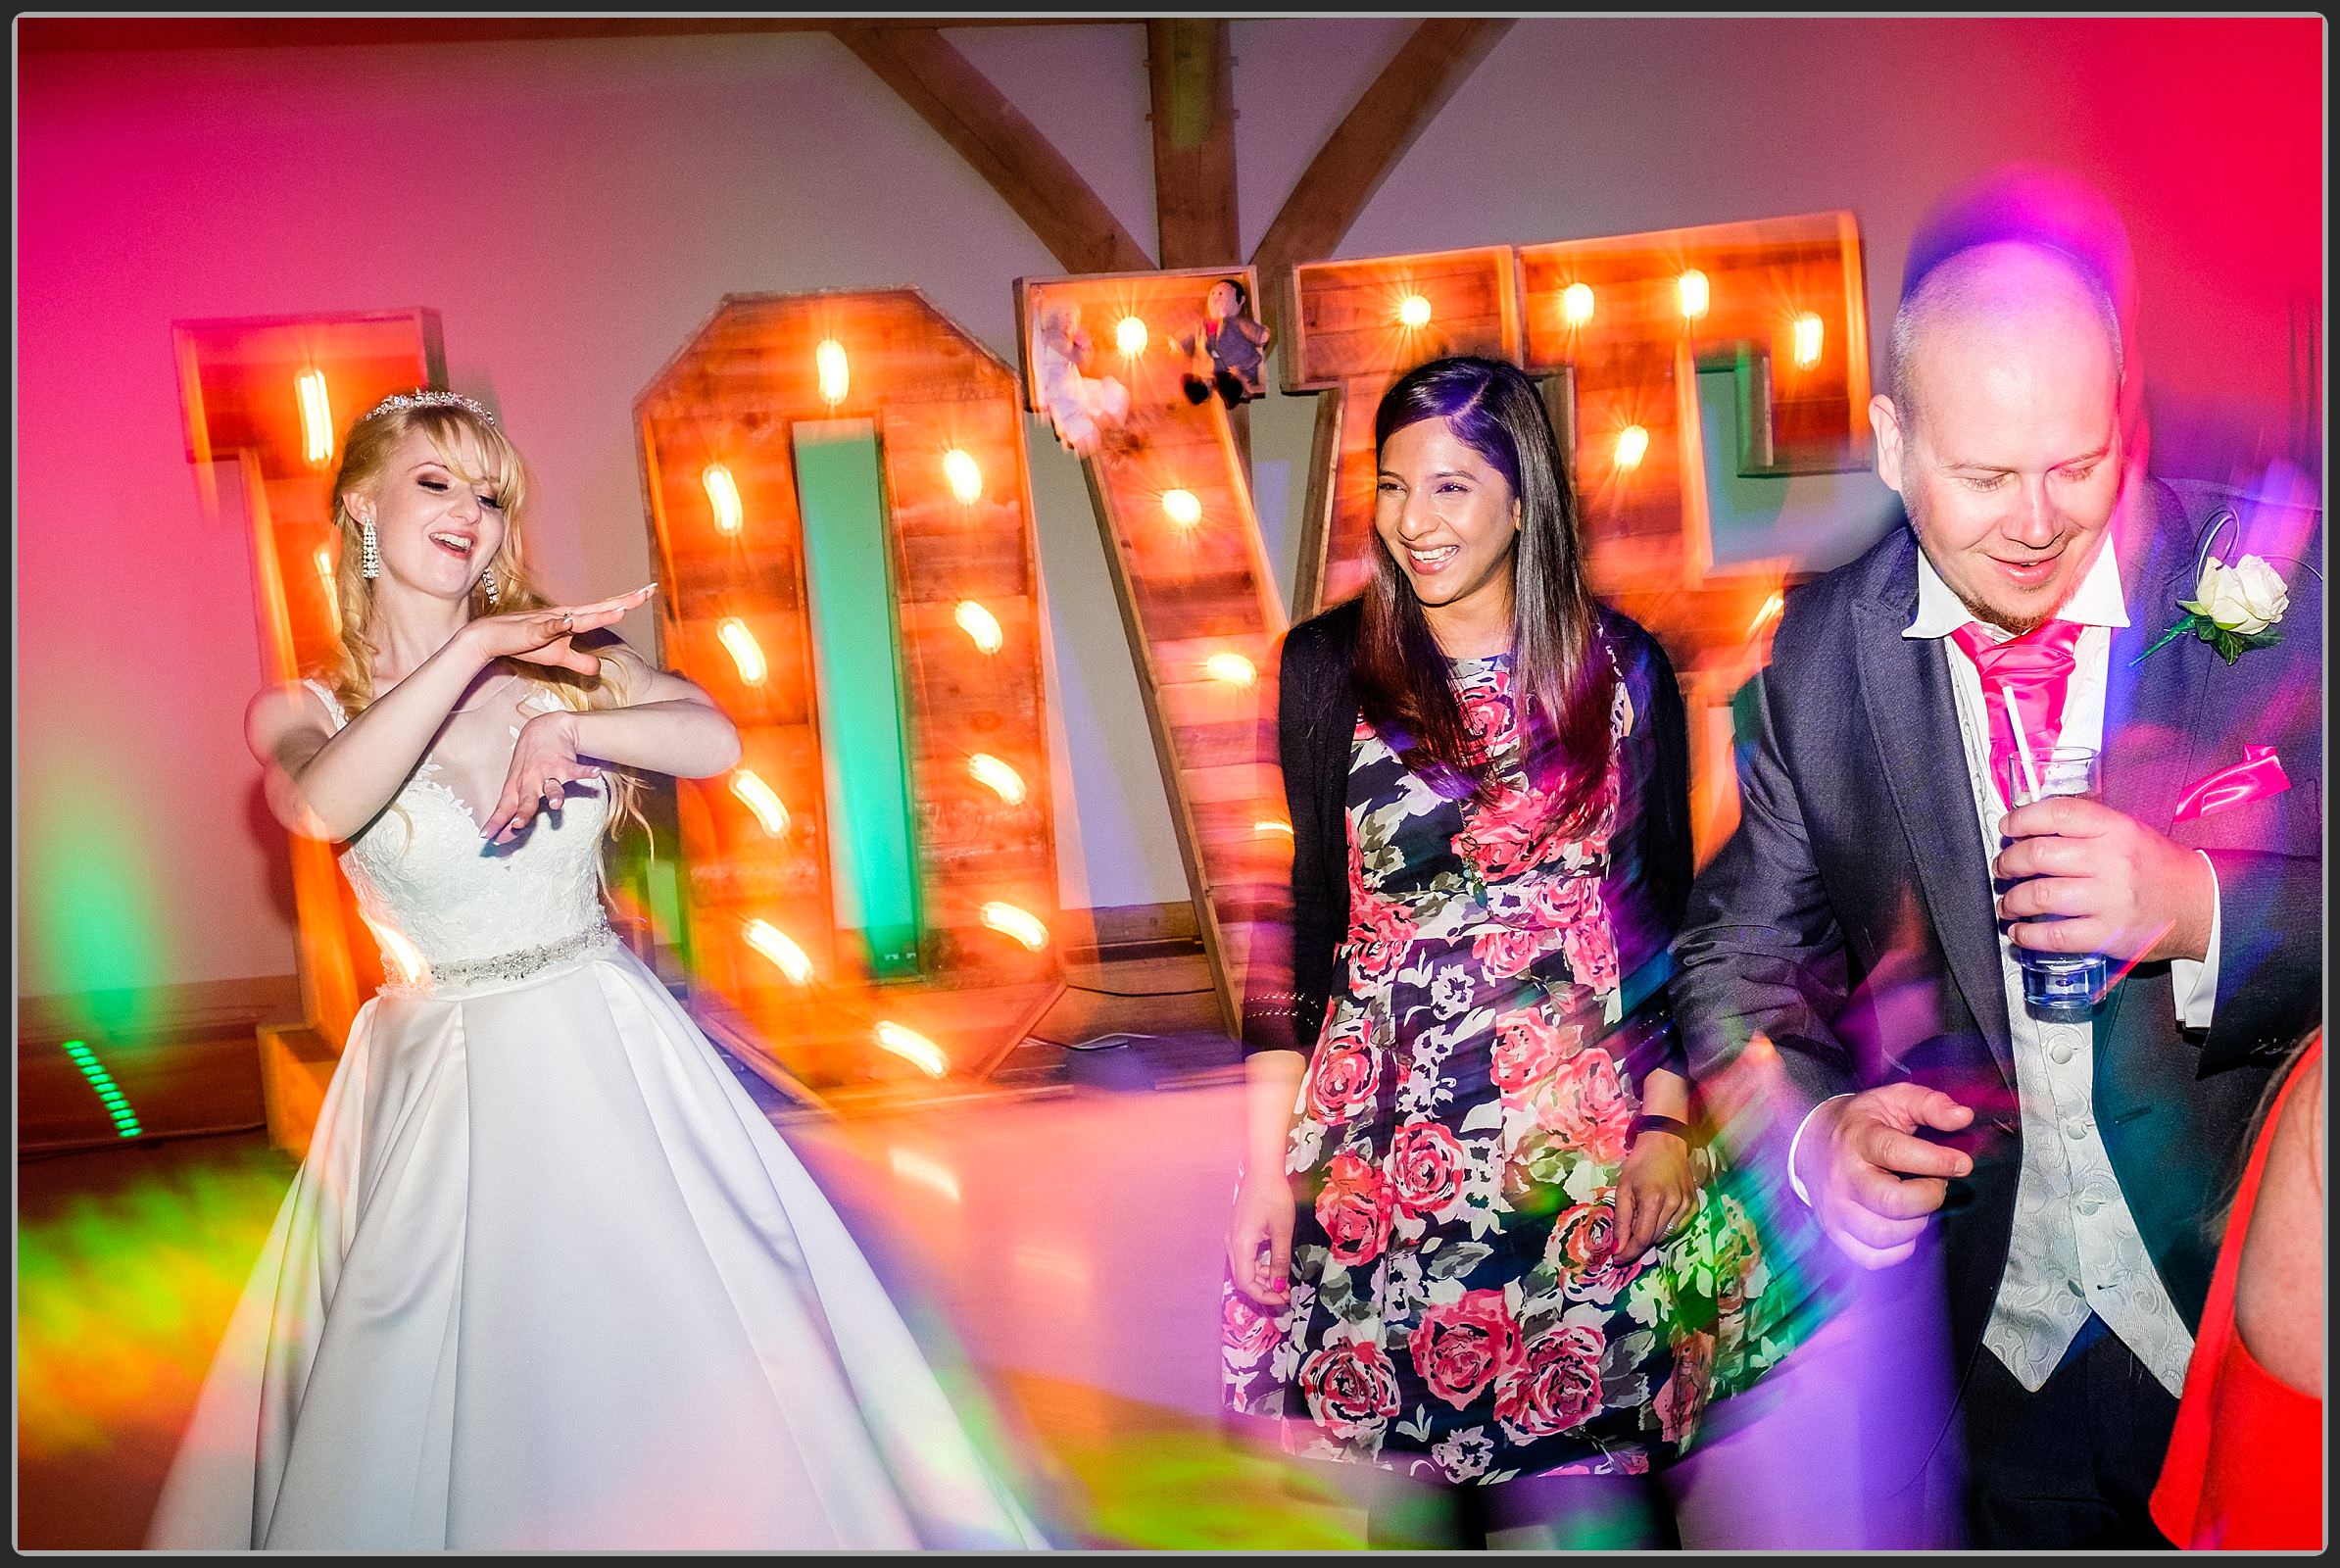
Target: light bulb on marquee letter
column 1694, row 294
column 723, row 496
column 757, row 796
column 1576, row 304
column 980, row 624
column 913, row 1048
column 1413, row 310
column 997, row 777
column 785, row 954
column 741, row 644
column 1232, row 668
column 1633, row 445
column 1129, row 335
column 964, row 475
column 835, row 376
column 1010, row 921
column 316, row 416
column 1808, row 330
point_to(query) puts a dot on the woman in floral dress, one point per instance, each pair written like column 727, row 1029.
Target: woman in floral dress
column 1470, row 1247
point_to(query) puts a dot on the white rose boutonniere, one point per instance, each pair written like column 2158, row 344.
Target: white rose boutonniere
column 2233, row 609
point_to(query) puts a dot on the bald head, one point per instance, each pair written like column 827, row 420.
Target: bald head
column 2002, row 433
column 2006, row 293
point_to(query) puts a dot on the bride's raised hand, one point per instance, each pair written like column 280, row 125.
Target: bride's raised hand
column 544, row 763
column 543, row 636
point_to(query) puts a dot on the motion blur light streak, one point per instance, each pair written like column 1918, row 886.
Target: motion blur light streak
column 917, row 1168
column 1283, row 828
column 1053, row 1267
column 979, row 624
column 1232, row 668
column 1633, row 445
column 407, row 963
column 996, row 776
column 740, row 643
column 1129, row 335
column 121, row 1293
column 836, row 378
column 324, row 572
column 786, row 956
column 317, row 417
column 758, row 798
column 125, row 1120
column 913, row 1048
column 1181, row 508
column 1771, row 607
column 1576, row 304
column 1808, row 329
column 1008, row 920
column 724, row 496
column 964, row 475
column 1413, row 310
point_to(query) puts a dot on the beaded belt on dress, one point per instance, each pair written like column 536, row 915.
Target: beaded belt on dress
column 505, row 968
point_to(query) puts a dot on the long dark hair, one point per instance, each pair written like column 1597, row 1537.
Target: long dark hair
column 1561, row 674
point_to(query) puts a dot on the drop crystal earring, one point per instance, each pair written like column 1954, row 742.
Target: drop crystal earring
column 487, row 583
column 370, row 564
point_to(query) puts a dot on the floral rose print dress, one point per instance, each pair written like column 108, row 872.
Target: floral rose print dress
column 1454, row 1311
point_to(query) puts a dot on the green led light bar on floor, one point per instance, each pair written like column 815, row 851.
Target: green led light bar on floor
column 848, row 578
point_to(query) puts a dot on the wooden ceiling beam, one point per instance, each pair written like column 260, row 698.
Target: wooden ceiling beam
column 38, row 35
column 1190, row 68
column 1366, row 145
column 1005, row 149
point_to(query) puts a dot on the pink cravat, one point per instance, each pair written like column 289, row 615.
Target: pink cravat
column 2034, row 668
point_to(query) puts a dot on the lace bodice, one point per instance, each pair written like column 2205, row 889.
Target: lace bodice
column 439, row 895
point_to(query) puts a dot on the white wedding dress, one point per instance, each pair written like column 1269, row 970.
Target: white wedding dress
column 548, row 1279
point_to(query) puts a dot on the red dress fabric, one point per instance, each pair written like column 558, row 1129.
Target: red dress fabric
column 2245, row 1471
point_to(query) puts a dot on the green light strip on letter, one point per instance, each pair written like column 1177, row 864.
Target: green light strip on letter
column 856, row 660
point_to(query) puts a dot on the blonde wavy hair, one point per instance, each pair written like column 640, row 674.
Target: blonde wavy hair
column 477, row 453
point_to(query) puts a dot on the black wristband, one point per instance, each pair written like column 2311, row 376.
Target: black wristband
column 1647, row 1123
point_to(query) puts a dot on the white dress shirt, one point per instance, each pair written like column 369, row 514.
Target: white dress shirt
column 2075, row 1245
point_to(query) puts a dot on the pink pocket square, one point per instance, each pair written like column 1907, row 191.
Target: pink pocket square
column 2257, row 776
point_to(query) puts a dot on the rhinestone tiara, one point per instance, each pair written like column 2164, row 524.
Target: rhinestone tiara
column 431, row 398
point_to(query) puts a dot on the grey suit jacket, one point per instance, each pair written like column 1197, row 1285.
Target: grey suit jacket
column 1850, row 920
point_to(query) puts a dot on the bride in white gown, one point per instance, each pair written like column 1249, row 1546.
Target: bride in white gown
column 546, row 1279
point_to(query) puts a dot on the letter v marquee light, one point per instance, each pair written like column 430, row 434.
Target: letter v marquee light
column 1198, row 599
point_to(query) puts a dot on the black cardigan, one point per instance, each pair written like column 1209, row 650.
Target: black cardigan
column 1295, row 967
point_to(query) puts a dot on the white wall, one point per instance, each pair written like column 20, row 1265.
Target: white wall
column 574, row 209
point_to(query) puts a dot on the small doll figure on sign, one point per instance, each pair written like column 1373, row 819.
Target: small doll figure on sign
column 1084, row 409
column 1229, row 349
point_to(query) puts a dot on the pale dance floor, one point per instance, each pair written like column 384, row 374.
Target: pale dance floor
column 1068, row 1245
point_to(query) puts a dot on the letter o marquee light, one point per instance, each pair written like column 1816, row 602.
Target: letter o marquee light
column 868, row 613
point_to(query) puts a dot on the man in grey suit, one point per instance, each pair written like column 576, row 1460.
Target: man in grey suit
column 2063, row 1177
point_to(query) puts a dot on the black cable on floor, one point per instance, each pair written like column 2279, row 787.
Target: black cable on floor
column 1104, row 990
column 33, row 1156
